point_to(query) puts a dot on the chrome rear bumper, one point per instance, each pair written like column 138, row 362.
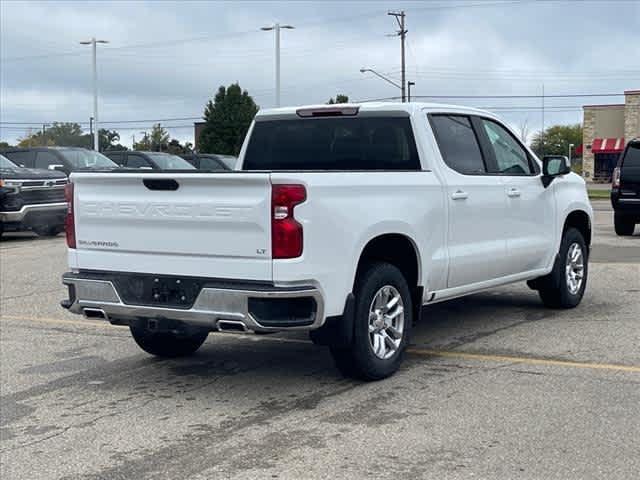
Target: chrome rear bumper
column 213, row 308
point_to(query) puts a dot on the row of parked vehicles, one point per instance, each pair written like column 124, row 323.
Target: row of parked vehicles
column 32, row 180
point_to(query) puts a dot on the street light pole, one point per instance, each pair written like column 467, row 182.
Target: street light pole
column 93, row 42
column 388, row 80
column 276, row 28
column 409, row 85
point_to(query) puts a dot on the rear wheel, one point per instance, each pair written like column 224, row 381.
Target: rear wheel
column 382, row 324
column 564, row 286
column 624, row 226
column 167, row 344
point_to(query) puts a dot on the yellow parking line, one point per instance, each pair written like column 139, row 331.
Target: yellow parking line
column 413, row 351
column 523, row 360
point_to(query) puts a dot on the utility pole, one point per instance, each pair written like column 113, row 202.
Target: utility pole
column 91, row 126
column 276, row 28
column 44, row 129
column 93, row 42
column 402, row 33
column 542, row 132
column 409, row 85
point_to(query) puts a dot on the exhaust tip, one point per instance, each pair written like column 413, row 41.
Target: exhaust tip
column 94, row 313
column 231, row 326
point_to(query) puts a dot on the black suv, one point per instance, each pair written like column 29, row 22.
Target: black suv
column 31, row 199
column 149, row 160
column 63, row 159
column 210, row 161
column 625, row 189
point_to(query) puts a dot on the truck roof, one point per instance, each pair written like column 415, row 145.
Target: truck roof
column 410, row 107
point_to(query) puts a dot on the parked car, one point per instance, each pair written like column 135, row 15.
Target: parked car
column 63, row 159
column 210, row 161
column 625, row 189
column 343, row 221
column 31, row 199
column 149, row 160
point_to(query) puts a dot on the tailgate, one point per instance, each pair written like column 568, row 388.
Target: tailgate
column 196, row 224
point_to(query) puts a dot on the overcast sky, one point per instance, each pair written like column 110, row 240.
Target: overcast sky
column 166, row 59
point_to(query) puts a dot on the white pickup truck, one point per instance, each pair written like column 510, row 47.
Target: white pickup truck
column 342, row 220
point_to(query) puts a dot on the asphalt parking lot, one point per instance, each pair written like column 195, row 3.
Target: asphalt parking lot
column 494, row 386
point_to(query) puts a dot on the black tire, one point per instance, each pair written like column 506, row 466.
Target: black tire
column 623, row 226
column 48, row 231
column 166, row 344
column 359, row 360
column 553, row 288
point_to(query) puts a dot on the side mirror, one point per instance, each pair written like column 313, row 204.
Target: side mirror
column 58, row 168
column 554, row 166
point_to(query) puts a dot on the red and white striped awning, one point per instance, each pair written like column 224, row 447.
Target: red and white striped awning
column 607, row 145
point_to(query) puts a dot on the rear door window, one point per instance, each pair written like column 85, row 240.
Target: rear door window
column 208, row 163
column 356, row 143
column 458, row 143
column 137, row 161
column 116, row 157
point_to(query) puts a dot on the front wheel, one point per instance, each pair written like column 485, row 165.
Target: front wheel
column 382, row 324
column 564, row 286
column 623, row 225
column 167, row 344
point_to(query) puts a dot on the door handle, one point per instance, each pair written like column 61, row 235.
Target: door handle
column 459, row 195
column 513, row 192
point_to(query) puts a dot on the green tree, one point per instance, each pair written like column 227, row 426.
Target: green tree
column 176, row 148
column 4, row 145
column 144, row 144
column 64, row 134
column 155, row 141
column 557, row 139
column 108, row 140
column 227, row 119
column 340, row 98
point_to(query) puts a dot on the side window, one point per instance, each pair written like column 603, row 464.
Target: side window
column 21, row 158
column 458, row 143
column 44, row 159
column 511, row 157
column 137, row 161
column 117, row 158
column 208, row 163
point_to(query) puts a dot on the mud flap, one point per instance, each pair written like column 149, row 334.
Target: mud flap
column 337, row 331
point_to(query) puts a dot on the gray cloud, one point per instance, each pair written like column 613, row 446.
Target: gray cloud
column 148, row 71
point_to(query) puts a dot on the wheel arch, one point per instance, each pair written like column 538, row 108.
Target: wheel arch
column 397, row 249
column 581, row 221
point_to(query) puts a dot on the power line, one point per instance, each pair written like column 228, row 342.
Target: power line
column 321, row 22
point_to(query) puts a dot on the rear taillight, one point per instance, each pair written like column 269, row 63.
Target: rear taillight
column 286, row 232
column 615, row 179
column 69, row 221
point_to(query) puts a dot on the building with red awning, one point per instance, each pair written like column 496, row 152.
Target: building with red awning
column 605, row 130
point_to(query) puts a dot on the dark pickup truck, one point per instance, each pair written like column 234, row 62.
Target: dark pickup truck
column 31, row 199
column 625, row 189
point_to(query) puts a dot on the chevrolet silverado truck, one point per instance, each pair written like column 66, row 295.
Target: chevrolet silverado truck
column 343, row 221
column 31, row 199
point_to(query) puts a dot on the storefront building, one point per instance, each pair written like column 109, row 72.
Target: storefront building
column 605, row 130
